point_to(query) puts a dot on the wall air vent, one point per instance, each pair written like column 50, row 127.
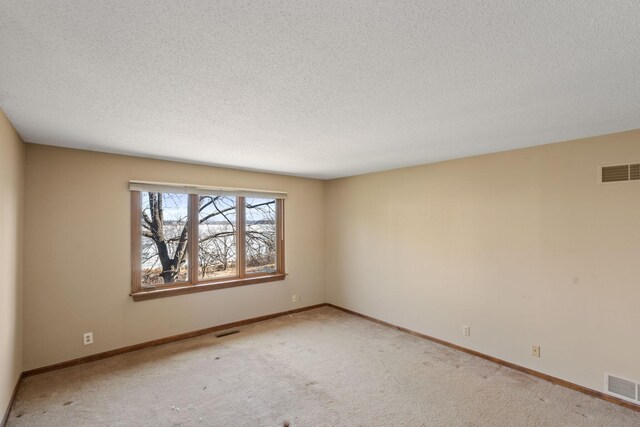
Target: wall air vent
column 620, row 173
column 622, row 388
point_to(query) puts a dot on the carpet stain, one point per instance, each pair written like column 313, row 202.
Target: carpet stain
column 67, row 403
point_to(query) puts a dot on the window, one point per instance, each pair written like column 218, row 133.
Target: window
column 190, row 239
column 260, row 235
column 217, row 237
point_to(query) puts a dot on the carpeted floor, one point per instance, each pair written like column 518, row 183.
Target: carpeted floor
column 317, row 368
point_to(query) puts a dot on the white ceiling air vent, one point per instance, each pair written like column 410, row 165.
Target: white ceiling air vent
column 622, row 388
column 620, row 173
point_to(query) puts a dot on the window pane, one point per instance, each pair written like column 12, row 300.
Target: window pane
column 216, row 237
column 164, row 238
column 261, row 235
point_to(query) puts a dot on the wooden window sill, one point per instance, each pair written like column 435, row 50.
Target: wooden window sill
column 202, row 287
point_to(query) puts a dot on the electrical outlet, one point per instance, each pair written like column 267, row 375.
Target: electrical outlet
column 535, row 351
column 466, row 330
column 87, row 338
column 294, row 298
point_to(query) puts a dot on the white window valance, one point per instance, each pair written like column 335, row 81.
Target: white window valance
column 167, row 187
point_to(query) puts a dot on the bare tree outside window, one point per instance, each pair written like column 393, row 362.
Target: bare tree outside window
column 166, row 251
column 184, row 243
column 217, row 237
column 164, row 238
column 261, row 235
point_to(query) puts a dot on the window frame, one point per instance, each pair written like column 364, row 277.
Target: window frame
column 194, row 284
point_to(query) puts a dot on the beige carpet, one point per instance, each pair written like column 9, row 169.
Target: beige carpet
column 316, row 368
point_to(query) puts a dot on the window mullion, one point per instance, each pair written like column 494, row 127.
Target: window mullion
column 280, row 236
column 136, row 242
column 194, row 203
column 241, row 255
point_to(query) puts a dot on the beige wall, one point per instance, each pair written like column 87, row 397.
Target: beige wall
column 524, row 246
column 77, row 254
column 11, row 212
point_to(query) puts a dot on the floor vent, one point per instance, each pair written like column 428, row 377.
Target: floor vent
column 622, row 388
column 225, row 333
column 620, row 173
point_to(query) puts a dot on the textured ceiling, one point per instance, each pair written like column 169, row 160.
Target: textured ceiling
column 318, row 88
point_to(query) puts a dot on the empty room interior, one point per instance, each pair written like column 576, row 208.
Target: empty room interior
column 319, row 213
